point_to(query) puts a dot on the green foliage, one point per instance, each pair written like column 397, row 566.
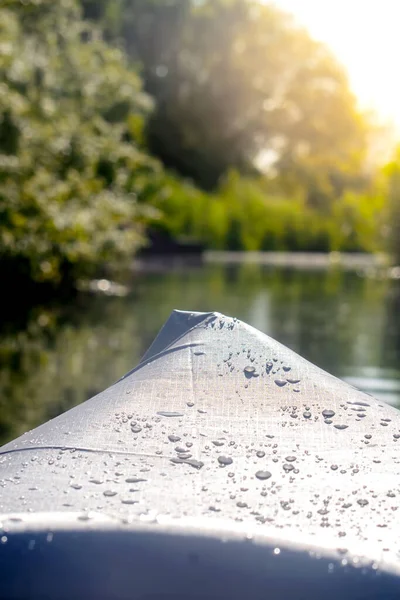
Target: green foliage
column 358, row 221
column 234, row 83
column 250, row 214
column 233, row 78
column 391, row 188
column 72, row 170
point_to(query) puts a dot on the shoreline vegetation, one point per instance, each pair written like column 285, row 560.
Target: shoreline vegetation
column 233, row 128
column 378, row 266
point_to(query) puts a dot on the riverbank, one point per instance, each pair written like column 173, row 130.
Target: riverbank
column 308, row 261
column 301, row 260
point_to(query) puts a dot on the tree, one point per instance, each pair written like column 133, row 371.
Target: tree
column 72, row 168
column 236, row 80
column 391, row 173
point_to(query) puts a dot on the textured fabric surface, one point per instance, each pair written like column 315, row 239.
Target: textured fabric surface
column 221, row 427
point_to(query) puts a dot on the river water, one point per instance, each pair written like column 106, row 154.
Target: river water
column 55, row 356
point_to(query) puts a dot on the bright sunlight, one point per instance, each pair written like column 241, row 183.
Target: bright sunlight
column 364, row 36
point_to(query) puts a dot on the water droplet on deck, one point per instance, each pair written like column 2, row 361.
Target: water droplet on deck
column 362, row 502
column 328, row 414
column 225, row 460
column 109, row 493
column 197, row 464
column 185, row 455
column 341, row 427
column 287, row 467
column 263, row 475
column 174, row 438
column 169, row 413
column 249, row 371
column 85, row 517
column 280, row 382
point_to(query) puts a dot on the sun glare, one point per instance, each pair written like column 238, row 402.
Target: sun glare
column 364, row 35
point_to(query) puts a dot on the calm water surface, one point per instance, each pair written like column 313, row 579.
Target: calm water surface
column 53, row 357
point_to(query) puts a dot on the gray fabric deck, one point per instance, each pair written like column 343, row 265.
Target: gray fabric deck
column 220, row 433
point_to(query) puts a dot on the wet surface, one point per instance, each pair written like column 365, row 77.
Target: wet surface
column 331, row 477
column 52, row 358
